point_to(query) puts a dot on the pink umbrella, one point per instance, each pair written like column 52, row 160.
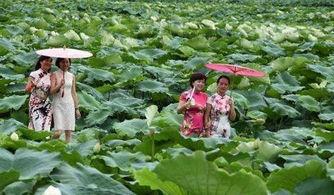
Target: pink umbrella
column 236, row 70
column 64, row 53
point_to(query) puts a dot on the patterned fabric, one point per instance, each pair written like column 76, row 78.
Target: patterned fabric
column 39, row 103
column 220, row 124
column 63, row 106
column 193, row 121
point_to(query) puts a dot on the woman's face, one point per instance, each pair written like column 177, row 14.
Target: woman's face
column 46, row 64
column 64, row 64
column 199, row 85
column 222, row 85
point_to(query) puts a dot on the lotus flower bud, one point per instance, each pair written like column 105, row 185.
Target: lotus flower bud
column 14, row 136
column 97, row 147
column 52, row 191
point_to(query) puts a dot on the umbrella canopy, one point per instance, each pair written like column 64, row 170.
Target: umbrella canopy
column 64, row 53
column 236, row 70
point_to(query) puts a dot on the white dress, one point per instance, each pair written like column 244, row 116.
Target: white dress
column 63, row 106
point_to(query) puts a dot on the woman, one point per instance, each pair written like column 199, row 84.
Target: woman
column 65, row 101
column 39, row 103
column 192, row 104
column 219, row 110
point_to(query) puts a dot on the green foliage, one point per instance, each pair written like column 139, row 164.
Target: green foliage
column 143, row 55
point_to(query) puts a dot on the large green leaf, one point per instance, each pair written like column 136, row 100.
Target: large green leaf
column 152, row 86
column 19, row 188
column 34, row 135
column 86, row 148
column 195, row 175
column 273, row 49
column 12, row 102
column 8, row 74
column 330, row 169
column 6, row 46
column 309, row 103
column 25, row 59
column 298, row 159
column 284, row 110
column 315, row 186
column 98, row 74
column 128, row 161
column 284, row 82
column 196, row 62
column 306, row 101
column 264, row 150
column 289, row 178
column 253, row 100
column 131, row 127
column 90, row 90
column 8, row 177
column 99, row 116
column 327, row 72
column 198, row 43
column 327, row 113
column 88, row 102
column 242, row 58
column 86, row 180
column 148, row 55
column 284, row 136
column 285, row 63
column 9, row 126
column 28, row 163
column 148, row 178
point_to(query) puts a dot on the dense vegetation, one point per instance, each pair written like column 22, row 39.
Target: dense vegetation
column 127, row 140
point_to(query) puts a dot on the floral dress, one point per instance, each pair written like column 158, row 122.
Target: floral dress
column 39, row 103
column 193, row 121
column 220, row 125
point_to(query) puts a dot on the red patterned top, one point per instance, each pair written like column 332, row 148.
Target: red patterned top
column 193, row 121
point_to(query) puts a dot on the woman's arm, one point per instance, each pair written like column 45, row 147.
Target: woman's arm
column 207, row 117
column 183, row 106
column 232, row 113
column 75, row 98
column 30, row 85
column 55, row 87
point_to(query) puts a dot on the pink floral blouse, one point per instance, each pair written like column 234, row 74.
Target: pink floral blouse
column 193, row 121
column 219, row 115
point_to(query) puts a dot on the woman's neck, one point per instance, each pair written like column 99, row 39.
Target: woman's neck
column 44, row 70
column 221, row 93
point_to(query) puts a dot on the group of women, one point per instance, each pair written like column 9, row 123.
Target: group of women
column 206, row 116
column 53, row 97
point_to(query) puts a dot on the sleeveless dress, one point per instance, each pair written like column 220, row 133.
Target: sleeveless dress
column 220, row 125
column 63, row 103
column 193, row 121
column 40, row 113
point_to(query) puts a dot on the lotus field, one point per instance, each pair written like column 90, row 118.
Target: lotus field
column 127, row 140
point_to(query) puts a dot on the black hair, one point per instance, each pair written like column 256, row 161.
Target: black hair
column 40, row 59
column 223, row 76
column 196, row 76
column 58, row 60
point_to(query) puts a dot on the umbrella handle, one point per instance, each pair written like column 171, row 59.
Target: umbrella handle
column 192, row 93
